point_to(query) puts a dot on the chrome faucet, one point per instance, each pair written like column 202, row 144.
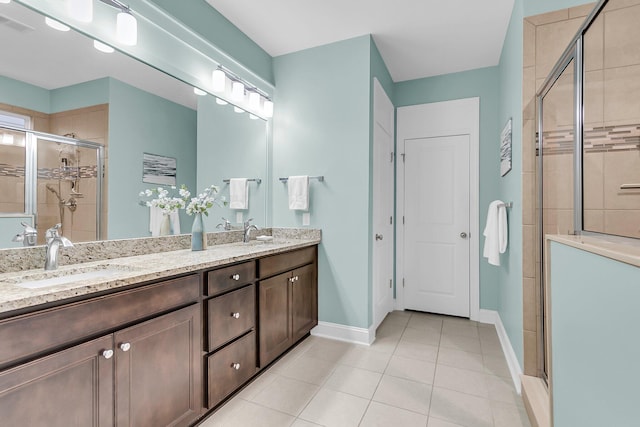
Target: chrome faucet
column 28, row 237
column 226, row 224
column 54, row 240
column 247, row 230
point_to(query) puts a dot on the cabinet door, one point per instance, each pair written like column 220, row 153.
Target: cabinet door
column 304, row 301
column 159, row 370
column 275, row 323
column 73, row 387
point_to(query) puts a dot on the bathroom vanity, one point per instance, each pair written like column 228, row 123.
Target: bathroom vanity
column 161, row 343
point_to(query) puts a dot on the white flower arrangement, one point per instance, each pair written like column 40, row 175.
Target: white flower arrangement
column 166, row 202
column 205, row 201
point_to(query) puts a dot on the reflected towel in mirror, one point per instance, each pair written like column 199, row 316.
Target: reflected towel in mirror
column 238, row 193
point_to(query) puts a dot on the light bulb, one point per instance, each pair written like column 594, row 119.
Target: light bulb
column 254, row 100
column 238, row 110
column 102, row 47
column 218, row 80
column 127, row 28
column 253, row 117
column 237, row 91
column 199, row 92
column 221, row 101
column 268, row 108
column 81, row 10
column 55, row 24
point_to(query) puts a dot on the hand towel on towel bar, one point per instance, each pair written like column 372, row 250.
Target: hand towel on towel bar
column 298, row 187
column 238, row 193
column 155, row 221
column 495, row 232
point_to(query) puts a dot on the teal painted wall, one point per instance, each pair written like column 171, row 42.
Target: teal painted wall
column 86, row 94
column 140, row 122
column 510, row 186
column 536, row 7
column 321, row 127
column 231, row 145
column 482, row 83
column 594, row 339
column 20, row 94
column 210, row 24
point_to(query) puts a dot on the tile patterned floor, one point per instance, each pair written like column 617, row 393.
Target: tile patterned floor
column 423, row 370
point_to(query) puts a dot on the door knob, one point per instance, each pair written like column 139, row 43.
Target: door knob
column 463, row 235
column 379, row 236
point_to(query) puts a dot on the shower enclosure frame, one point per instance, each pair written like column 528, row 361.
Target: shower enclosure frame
column 31, row 171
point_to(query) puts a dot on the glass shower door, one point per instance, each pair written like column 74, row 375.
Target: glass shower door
column 556, row 166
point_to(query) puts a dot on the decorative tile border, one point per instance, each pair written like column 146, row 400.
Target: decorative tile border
column 51, row 173
column 597, row 139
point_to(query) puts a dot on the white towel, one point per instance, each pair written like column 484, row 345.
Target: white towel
column 298, row 192
column 155, row 221
column 495, row 232
column 238, row 193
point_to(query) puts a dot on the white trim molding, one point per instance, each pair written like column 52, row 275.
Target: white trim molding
column 339, row 332
column 493, row 317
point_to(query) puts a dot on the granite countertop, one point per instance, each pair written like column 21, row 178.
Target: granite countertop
column 130, row 270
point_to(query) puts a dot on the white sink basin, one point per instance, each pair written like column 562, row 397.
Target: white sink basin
column 63, row 277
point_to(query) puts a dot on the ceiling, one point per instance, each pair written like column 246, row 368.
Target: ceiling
column 417, row 38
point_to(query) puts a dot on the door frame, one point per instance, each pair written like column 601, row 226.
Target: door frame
column 456, row 117
column 381, row 96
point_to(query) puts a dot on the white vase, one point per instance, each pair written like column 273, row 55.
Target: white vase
column 165, row 225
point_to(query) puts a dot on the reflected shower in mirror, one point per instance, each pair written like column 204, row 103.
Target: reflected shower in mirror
column 63, row 86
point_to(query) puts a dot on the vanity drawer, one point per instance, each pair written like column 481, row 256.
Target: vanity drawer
column 275, row 264
column 37, row 333
column 228, row 278
column 230, row 315
column 230, row 367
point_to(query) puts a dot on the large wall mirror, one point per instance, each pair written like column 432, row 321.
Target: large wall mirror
column 77, row 101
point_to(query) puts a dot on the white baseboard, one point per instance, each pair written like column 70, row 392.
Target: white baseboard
column 344, row 333
column 493, row 317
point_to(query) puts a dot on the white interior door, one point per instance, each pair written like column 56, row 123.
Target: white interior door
column 437, row 225
column 383, row 131
column 437, row 247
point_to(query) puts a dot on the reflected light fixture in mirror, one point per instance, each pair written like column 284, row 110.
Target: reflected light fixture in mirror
column 103, row 47
column 268, row 108
column 55, row 24
column 5, row 1
column 199, row 92
column 81, row 10
column 221, row 101
column 218, row 80
column 254, row 100
column 238, row 109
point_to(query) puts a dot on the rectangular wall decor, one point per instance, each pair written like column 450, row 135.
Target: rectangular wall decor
column 158, row 169
column 505, row 149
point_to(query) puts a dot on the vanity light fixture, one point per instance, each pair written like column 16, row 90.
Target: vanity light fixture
column 81, row 10
column 55, row 24
column 103, row 47
column 5, row 1
column 218, row 80
column 267, row 108
column 237, row 91
column 221, row 101
column 127, row 28
column 254, row 100
column 7, row 139
column 253, row 117
column 199, row 92
column 238, row 109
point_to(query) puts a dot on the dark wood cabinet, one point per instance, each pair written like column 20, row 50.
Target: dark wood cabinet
column 73, row 387
column 158, row 371
column 288, row 302
column 147, row 374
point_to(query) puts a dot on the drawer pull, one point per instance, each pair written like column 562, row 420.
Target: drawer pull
column 125, row 346
column 236, row 277
column 235, row 315
column 235, row 366
column 107, row 354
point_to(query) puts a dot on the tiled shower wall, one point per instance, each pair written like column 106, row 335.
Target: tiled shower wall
column 91, row 124
column 545, row 38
